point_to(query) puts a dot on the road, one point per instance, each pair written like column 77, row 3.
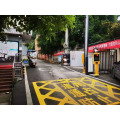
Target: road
column 52, row 84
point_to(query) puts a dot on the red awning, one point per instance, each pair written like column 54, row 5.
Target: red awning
column 59, row 53
column 107, row 45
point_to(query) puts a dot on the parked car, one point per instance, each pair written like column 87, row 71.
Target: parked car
column 116, row 70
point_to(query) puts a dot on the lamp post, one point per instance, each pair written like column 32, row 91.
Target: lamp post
column 66, row 44
column 86, row 43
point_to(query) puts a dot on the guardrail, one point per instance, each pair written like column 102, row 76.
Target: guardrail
column 17, row 67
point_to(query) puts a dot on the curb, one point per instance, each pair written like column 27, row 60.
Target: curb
column 93, row 77
column 27, row 89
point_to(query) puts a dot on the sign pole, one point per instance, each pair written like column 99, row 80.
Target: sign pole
column 86, row 43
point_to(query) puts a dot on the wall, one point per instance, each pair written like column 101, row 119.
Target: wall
column 76, row 58
column 24, row 50
column 107, row 58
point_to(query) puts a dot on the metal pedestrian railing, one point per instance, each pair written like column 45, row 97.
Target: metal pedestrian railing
column 17, row 67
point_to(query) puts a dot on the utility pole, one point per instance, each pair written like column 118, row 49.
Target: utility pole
column 86, row 43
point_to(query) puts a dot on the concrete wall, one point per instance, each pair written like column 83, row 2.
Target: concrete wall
column 76, row 58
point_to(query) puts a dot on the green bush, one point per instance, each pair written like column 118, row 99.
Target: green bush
column 25, row 60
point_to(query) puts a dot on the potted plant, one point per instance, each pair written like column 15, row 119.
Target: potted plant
column 25, row 61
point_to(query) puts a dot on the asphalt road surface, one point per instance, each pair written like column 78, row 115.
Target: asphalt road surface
column 52, row 84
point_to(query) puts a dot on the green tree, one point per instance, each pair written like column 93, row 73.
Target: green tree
column 76, row 35
column 99, row 29
column 43, row 24
column 31, row 45
column 115, row 30
column 51, row 45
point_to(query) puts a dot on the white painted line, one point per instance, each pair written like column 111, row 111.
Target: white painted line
column 42, row 69
column 70, row 69
column 93, row 77
column 27, row 88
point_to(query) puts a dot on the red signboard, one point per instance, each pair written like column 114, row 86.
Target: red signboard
column 59, row 53
column 107, row 45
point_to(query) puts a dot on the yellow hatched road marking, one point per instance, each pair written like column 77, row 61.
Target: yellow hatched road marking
column 92, row 85
column 41, row 98
column 67, row 97
column 88, row 86
column 115, row 103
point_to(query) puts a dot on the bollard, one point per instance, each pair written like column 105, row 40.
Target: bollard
column 23, row 69
column 83, row 63
column 96, row 63
column 96, row 70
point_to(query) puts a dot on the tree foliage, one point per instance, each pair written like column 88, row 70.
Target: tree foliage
column 16, row 21
column 101, row 28
column 51, row 45
column 31, row 45
column 43, row 24
column 76, row 35
column 115, row 30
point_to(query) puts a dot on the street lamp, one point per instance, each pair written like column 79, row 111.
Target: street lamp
column 66, row 44
column 86, row 43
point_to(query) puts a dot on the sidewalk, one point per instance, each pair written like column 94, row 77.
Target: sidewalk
column 79, row 69
column 104, row 76
column 19, row 93
column 5, row 98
